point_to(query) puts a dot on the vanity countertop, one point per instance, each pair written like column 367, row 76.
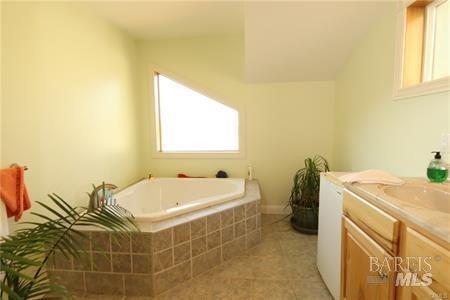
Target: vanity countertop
column 334, row 177
column 434, row 222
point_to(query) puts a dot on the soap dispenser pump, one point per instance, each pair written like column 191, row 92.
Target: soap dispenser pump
column 437, row 170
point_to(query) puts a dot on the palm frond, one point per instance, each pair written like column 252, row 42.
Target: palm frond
column 25, row 254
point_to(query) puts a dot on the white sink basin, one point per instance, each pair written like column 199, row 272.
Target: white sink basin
column 424, row 196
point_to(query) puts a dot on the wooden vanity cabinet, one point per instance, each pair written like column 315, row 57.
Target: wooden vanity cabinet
column 358, row 282
column 369, row 232
column 415, row 244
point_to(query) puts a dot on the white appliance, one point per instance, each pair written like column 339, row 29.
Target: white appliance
column 329, row 234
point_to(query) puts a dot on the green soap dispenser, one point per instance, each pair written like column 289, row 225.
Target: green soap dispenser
column 437, row 170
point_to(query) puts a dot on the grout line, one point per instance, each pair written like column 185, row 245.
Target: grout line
column 191, row 259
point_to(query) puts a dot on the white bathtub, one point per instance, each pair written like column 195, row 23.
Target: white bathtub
column 162, row 198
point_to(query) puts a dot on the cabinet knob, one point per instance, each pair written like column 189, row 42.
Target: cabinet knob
column 382, row 274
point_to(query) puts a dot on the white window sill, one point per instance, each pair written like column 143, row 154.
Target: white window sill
column 424, row 88
column 200, row 155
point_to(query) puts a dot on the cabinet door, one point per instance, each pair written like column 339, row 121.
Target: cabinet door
column 419, row 293
column 358, row 282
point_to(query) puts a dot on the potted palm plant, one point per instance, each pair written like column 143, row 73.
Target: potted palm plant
column 304, row 199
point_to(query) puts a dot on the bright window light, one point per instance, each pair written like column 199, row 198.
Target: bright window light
column 192, row 122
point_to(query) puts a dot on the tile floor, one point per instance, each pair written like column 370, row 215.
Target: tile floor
column 282, row 266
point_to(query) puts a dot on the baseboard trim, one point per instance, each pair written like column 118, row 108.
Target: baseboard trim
column 275, row 209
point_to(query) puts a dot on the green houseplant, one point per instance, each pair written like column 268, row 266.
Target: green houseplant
column 24, row 254
column 304, row 199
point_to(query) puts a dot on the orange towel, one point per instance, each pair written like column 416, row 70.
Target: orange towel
column 13, row 191
column 182, row 175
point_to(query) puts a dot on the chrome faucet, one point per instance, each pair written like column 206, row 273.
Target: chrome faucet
column 101, row 195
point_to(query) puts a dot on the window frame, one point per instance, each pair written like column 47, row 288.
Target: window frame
column 424, row 87
column 156, row 122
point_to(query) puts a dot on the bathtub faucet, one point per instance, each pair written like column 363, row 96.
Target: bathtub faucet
column 101, row 195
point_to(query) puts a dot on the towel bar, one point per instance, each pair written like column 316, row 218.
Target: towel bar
column 17, row 165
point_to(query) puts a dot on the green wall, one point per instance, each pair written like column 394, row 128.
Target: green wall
column 373, row 131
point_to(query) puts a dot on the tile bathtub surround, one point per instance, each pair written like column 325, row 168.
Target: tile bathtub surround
column 270, row 270
column 181, row 233
column 159, row 261
column 281, row 266
column 110, row 265
column 213, row 222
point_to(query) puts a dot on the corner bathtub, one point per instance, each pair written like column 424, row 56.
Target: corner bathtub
column 158, row 199
column 187, row 226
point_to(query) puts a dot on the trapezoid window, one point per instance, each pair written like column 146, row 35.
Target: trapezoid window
column 189, row 121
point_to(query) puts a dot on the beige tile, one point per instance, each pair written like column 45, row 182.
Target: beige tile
column 308, row 271
column 253, row 238
column 170, row 278
column 227, row 234
column 258, row 220
column 198, row 228
column 83, row 241
column 141, row 242
column 213, row 239
column 273, row 289
column 181, row 233
column 233, row 248
column 182, row 252
column 100, row 241
column 258, row 206
column 250, row 209
column 236, row 267
column 120, row 242
column 103, row 283
column 302, row 245
column 308, row 290
column 269, row 218
column 251, row 224
column 295, row 235
column 239, row 213
column 268, row 270
column 227, row 288
column 61, row 261
column 198, row 246
column 270, row 267
column 84, row 262
column 101, row 261
column 162, row 240
column 188, row 290
column 72, row 280
column 280, row 235
column 266, row 247
column 138, row 285
column 227, row 217
column 276, row 222
column 163, row 260
column 142, row 263
column 102, row 297
column 213, row 222
column 121, row 263
column 239, row 229
column 206, row 261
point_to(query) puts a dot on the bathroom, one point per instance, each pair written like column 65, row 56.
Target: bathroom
column 82, row 103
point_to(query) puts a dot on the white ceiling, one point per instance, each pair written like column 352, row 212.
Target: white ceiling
column 173, row 19
column 299, row 41
column 284, row 41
